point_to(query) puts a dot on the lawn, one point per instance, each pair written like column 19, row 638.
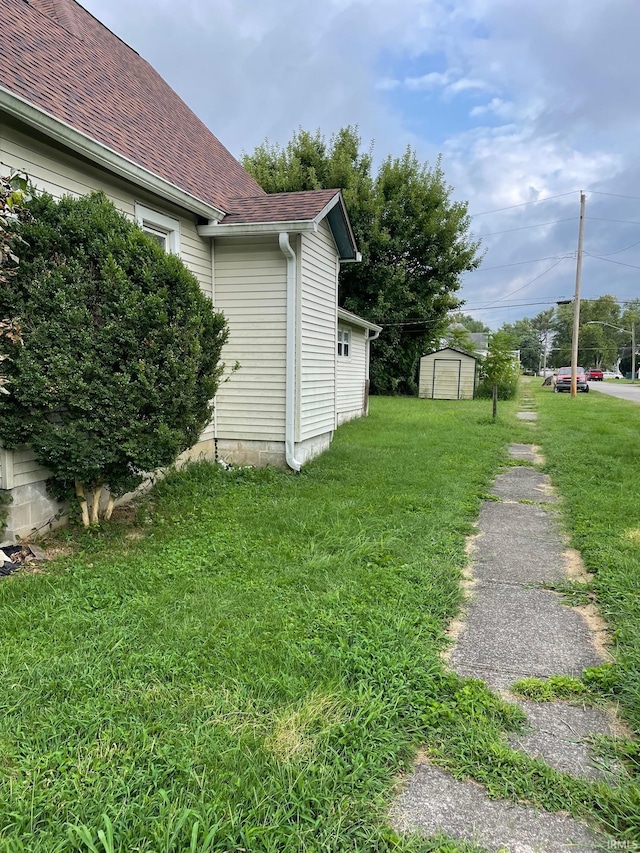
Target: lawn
column 251, row 665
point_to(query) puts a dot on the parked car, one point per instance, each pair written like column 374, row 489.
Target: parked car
column 612, row 374
column 563, row 380
column 595, row 375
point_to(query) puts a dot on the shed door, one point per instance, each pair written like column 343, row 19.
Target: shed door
column 446, row 378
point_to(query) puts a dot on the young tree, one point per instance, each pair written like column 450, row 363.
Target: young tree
column 120, row 355
column 414, row 241
column 500, row 370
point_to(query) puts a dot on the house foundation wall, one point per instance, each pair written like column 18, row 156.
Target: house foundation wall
column 259, row 454
column 351, row 415
column 31, row 513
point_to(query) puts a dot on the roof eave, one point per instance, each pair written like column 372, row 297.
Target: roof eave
column 246, row 229
column 102, row 155
column 348, row 317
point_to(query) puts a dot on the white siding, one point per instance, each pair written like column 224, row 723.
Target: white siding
column 251, row 291
column 318, row 311
column 447, row 375
column 352, row 375
column 60, row 173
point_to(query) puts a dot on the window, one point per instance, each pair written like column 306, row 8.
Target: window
column 344, row 342
column 162, row 228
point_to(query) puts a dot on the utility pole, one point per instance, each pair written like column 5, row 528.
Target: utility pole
column 633, row 351
column 576, row 302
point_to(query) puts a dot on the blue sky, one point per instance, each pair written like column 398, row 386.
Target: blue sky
column 525, row 102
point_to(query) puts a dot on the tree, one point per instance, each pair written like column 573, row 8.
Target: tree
column 597, row 344
column 413, row 238
column 527, row 341
column 500, row 370
column 120, row 355
column 470, row 323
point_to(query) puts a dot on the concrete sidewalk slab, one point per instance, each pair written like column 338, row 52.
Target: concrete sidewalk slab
column 522, row 483
column 436, row 803
column 513, row 631
column 559, row 734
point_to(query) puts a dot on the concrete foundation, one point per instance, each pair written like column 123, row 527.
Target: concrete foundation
column 31, row 513
column 259, row 454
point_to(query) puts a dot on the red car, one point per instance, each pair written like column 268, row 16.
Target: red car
column 595, row 375
column 563, row 380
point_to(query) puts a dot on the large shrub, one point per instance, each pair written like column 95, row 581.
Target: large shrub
column 120, row 357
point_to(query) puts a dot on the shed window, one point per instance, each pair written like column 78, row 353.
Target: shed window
column 163, row 229
column 344, row 342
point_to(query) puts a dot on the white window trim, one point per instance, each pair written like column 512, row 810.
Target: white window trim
column 159, row 222
column 342, row 330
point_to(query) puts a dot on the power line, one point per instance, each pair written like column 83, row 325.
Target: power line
column 519, row 263
column 606, row 219
column 524, row 204
column 609, row 261
column 616, row 195
column 619, row 251
column 524, row 227
column 518, row 289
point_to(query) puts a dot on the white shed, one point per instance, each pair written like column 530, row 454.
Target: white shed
column 448, row 374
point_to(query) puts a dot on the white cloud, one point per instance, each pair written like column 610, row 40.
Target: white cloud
column 555, row 85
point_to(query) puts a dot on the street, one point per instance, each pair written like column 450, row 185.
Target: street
column 618, row 389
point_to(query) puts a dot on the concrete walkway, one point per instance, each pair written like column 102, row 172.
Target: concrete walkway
column 515, row 628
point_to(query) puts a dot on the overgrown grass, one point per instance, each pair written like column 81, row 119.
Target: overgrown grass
column 253, row 665
column 254, row 672
column 592, row 448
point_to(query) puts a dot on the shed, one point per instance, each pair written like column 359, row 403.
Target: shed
column 448, row 374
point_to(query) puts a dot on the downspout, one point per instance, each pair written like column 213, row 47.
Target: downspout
column 371, row 336
column 290, row 384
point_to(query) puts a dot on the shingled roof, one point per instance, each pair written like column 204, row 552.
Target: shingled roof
column 61, row 59
column 302, row 206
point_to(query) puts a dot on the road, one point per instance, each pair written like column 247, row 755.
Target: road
column 618, row 389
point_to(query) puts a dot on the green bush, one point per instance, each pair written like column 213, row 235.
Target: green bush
column 507, row 388
column 120, row 356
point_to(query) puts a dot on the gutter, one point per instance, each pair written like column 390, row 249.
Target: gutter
column 102, row 155
column 290, row 384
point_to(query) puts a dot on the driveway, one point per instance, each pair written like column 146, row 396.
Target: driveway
column 618, row 389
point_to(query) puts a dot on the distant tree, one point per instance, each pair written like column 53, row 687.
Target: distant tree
column 598, row 341
column 471, row 323
column 413, row 238
column 630, row 317
column 526, row 339
column 458, row 337
column 120, row 353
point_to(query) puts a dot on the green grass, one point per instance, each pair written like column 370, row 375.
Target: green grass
column 257, row 669
column 592, row 447
column 253, row 665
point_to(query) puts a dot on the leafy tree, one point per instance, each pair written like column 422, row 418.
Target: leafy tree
column 13, row 193
column 413, row 238
column 630, row 317
column 526, row 339
column 470, row 323
column 598, row 340
column 121, row 350
column 458, row 337
column 500, row 370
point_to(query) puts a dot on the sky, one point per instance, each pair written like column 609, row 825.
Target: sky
column 528, row 103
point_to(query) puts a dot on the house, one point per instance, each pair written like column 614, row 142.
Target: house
column 79, row 111
column 448, row 374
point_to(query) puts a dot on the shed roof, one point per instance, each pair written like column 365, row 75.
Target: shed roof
column 452, row 349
